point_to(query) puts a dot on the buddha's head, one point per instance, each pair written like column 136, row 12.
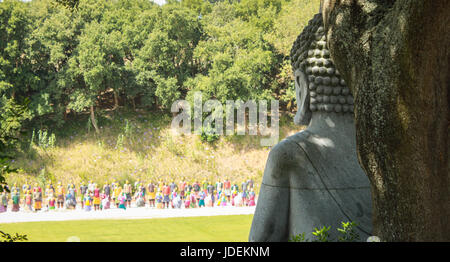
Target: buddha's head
column 319, row 86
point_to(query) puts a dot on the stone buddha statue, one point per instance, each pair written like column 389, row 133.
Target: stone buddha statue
column 313, row 178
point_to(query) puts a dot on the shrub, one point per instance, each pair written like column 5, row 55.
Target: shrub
column 346, row 234
column 208, row 136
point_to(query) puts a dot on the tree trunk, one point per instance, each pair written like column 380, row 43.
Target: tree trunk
column 394, row 56
column 116, row 101
column 94, row 122
column 134, row 104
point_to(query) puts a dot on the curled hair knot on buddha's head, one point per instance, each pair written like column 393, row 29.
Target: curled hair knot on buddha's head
column 327, row 89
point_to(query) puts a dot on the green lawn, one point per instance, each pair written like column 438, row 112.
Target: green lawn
column 188, row 229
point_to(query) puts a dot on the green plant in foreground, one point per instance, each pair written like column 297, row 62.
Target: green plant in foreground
column 322, row 234
column 298, row 238
column 5, row 237
column 346, row 234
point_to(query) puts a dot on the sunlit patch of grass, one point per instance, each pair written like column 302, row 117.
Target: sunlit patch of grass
column 183, row 229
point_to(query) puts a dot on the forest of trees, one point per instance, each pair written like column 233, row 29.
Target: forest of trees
column 57, row 61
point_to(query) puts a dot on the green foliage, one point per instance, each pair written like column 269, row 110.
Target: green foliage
column 44, row 139
column 66, row 56
column 322, row 234
column 128, row 129
column 348, row 232
column 126, row 133
column 88, row 125
column 44, row 177
column 119, row 143
column 68, row 3
column 30, row 148
column 298, row 238
column 6, row 237
column 292, row 18
column 208, row 136
column 345, row 234
column 4, row 170
column 12, row 117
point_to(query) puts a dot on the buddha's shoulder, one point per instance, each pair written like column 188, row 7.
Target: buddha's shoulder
column 286, row 158
column 289, row 150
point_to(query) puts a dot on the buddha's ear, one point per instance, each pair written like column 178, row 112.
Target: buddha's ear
column 303, row 115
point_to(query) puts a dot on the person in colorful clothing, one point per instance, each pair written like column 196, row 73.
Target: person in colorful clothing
column 143, row 191
column 28, row 200
column 210, row 189
column 70, row 203
column 114, row 185
column 173, row 186
column 28, row 187
column 187, row 202
column 128, row 191
column 140, row 198
column 116, row 194
column 213, row 198
column 193, row 199
column 123, row 200
column 249, row 184
column 223, row 200
column 159, row 199
column 201, row 201
column 107, row 191
column 83, row 191
column 96, row 200
column 166, row 194
column 3, row 201
column 238, row 200
column 182, row 188
column 176, row 200
column 151, row 194
column 204, row 185
column 15, row 196
column 49, row 192
column 37, row 197
column 87, row 202
column 59, row 195
column 52, row 203
column 72, row 196
column 106, row 203
column 219, row 187
column 244, row 186
column 196, row 187
column 227, row 189
column 251, row 198
column 234, row 193
column 161, row 185
column 25, row 187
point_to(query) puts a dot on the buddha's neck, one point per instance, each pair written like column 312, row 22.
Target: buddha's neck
column 332, row 124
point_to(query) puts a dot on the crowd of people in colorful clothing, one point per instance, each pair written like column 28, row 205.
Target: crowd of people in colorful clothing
column 90, row 196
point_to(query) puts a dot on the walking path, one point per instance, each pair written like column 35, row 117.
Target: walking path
column 114, row 213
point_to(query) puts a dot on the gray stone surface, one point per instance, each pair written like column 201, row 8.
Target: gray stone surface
column 313, row 178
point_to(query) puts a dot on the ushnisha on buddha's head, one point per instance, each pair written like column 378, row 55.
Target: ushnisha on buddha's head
column 319, row 86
